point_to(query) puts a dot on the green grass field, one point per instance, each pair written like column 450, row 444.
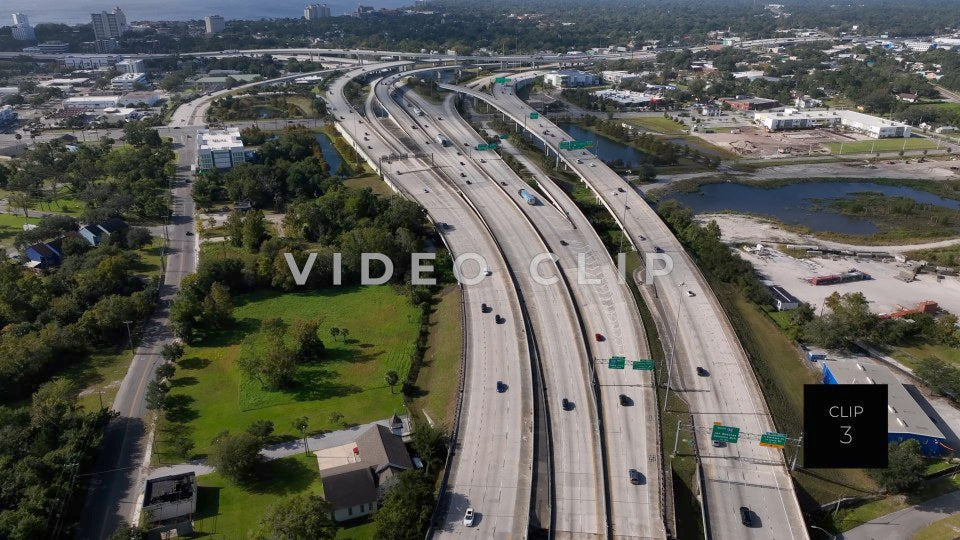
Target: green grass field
column 659, row 124
column 848, row 518
column 372, row 181
column 98, row 378
column 945, row 529
column 439, row 376
column 912, row 355
column 10, row 226
column 210, row 395
column 882, row 145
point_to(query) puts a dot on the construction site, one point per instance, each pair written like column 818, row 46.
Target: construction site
column 756, row 142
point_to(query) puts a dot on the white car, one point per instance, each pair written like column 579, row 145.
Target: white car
column 468, row 518
column 691, row 293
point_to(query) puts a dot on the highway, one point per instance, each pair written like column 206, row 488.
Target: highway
column 606, row 307
column 742, row 474
column 493, row 466
column 579, row 505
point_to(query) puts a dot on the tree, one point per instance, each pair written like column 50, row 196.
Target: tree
column 336, row 418
column 165, row 371
column 217, row 307
column 125, row 531
column 254, row 230
column 236, row 456
column 172, row 352
column 309, row 345
column 156, row 397
column 278, row 366
column 345, row 333
column 234, row 228
column 261, row 429
column 137, row 237
column 391, row 378
column 301, row 424
column 906, row 468
column 299, row 517
column 21, row 200
column 430, row 442
column 334, row 332
column 405, row 513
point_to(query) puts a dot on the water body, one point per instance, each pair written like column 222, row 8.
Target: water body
column 78, row 11
column 330, row 154
column 607, row 149
column 795, row 204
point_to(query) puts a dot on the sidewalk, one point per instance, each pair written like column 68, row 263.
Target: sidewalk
column 277, row 451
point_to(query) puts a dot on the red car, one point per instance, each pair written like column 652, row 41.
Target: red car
column 599, row 337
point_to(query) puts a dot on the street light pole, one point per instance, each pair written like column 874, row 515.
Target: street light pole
column 130, row 335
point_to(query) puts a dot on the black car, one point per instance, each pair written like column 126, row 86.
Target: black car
column 501, row 388
column 563, row 242
column 463, row 175
column 469, row 183
column 702, row 372
column 625, row 400
column 499, row 320
column 484, row 308
column 746, row 517
column 635, row 477
column 567, row 404
column 658, row 249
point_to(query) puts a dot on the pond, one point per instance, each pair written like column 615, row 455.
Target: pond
column 330, row 154
column 800, row 203
column 607, row 149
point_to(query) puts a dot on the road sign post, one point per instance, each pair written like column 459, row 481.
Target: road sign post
column 724, row 434
column 773, row 440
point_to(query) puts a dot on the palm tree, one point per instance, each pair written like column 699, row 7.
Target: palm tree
column 334, row 332
column 300, row 424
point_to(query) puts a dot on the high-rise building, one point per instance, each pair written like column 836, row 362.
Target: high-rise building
column 316, row 11
column 109, row 24
column 214, row 24
column 22, row 31
column 132, row 66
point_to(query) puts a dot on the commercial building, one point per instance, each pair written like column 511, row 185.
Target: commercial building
column 218, row 82
column 128, row 82
column 629, row 98
column 139, row 97
column 170, row 497
column 782, row 299
column 316, row 11
column 618, row 77
column 872, row 126
column 746, row 103
column 568, row 78
column 132, row 66
column 91, row 103
column 48, row 47
column 214, row 24
column 219, row 149
column 906, row 418
column 22, row 31
column 91, row 61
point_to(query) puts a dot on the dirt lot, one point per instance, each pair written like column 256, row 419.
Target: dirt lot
column 885, row 291
column 755, row 142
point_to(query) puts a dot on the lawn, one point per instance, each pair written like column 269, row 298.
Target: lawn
column 372, row 181
column 210, row 395
column 912, row 355
column 150, row 264
column 98, row 377
column 848, row 518
column 439, row 377
column 945, row 529
column 882, row 145
column 10, row 226
column 659, row 124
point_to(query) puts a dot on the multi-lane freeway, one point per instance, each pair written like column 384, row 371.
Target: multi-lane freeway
column 736, row 475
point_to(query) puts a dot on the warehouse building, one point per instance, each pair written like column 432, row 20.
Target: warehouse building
column 783, row 300
column 906, row 418
column 219, row 149
column 568, row 78
column 872, row 126
column 747, row 103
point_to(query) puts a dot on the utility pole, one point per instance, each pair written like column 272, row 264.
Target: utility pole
column 130, row 335
column 676, row 440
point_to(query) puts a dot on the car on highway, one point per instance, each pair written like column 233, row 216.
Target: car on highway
column 425, row 190
column 462, row 164
column 691, row 294
column 499, row 320
column 484, row 308
column 579, row 161
column 702, row 372
column 469, row 183
column 468, row 517
column 593, row 164
column 635, row 477
column 501, row 388
column 369, row 147
column 625, row 400
column 719, row 444
column 563, row 243
column 621, row 190
column 658, row 249
column 566, row 404
column 439, row 118
column 463, row 175
column 189, row 233
column 598, row 336
column 746, row 517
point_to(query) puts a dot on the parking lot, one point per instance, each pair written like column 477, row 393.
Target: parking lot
column 752, row 141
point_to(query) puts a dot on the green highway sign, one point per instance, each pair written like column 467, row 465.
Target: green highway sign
column 489, row 146
column 775, row 440
column 643, row 364
column 575, row 145
column 500, row 80
column 617, row 362
column 534, row 116
column 505, row 136
column 727, row 434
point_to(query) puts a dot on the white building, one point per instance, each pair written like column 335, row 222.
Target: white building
column 872, row 126
column 628, row 98
column 918, row 46
column 214, row 24
column 313, row 12
column 91, row 61
column 127, row 82
column 22, row 31
column 567, row 78
column 132, row 66
column 91, row 103
column 48, row 47
column 618, row 77
column 219, row 149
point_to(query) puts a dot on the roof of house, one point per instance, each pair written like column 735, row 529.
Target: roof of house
column 781, row 294
column 113, row 225
column 167, row 489
column 44, row 250
column 349, row 485
column 379, row 446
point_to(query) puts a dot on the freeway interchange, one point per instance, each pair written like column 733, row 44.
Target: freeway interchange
column 601, row 457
